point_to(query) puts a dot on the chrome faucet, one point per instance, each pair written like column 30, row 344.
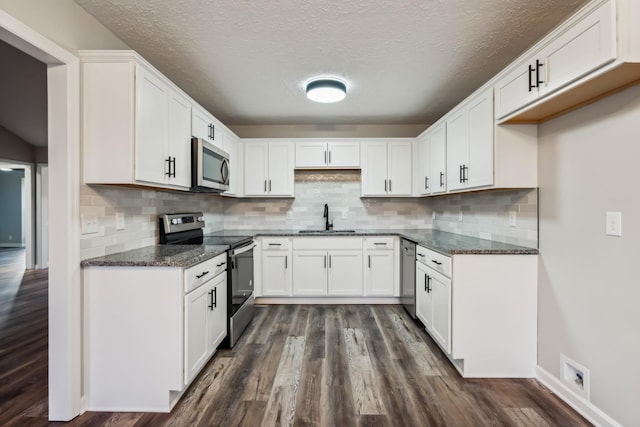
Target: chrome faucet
column 327, row 225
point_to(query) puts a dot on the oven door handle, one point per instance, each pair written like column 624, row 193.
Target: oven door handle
column 243, row 249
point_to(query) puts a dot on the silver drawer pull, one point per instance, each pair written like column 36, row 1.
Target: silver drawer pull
column 378, row 243
column 275, row 244
column 221, row 264
column 419, row 254
column 436, row 262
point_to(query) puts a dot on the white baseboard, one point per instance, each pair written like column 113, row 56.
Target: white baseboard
column 579, row 403
column 328, row 300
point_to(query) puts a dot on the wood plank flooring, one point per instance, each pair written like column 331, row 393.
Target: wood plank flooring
column 343, row 365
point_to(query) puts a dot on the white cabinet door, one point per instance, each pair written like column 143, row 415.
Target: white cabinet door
column 280, row 170
column 276, row 273
column 399, row 168
column 343, row 154
column 374, row 169
column 255, row 168
column 424, row 300
column 179, row 139
column 513, row 91
column 151, row 110
column 479, row 171
column 345, row 272
column 310, row 273
column 440, row 291
column 424, row 165
column 457, row 155
column 196, row 350
column 311, row 155
column 585, row 46
column 438, row 166
column 217, row 315
column 203, row 125
column 380, row 273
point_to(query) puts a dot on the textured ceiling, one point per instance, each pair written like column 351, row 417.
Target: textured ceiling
column 405, row 61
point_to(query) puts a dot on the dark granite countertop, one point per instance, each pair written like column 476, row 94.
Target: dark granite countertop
column 439, row 241
column 187, row 255
column 158, row 256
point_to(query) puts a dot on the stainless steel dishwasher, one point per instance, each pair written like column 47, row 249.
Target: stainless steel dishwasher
column 408, row 276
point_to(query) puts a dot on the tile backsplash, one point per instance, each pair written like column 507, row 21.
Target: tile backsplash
column 485, row 214
column 141, row 209
column 338, row 189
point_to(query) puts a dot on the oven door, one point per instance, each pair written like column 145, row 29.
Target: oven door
column 241, row 261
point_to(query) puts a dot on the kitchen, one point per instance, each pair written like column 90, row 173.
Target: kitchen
column 139, row 205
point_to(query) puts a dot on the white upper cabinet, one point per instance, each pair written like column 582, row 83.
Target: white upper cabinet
column 591, row 54
column 438, row 159
column 205, row 126
column 328, row 155
column 386, row 168
column 423, row 176
column 232, row 146
column 136, row 127
column 470, row 143
column 268, row 168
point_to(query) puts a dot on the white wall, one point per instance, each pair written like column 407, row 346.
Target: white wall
column 589, row 288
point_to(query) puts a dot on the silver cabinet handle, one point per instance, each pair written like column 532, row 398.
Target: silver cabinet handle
column 385, row 186
column 265, row 185
column 369, row 261
column 325, row 261
column 329, row 157
column 389, row 186
column 325, row 157
column 329, row 261
column 285, row 262
column 269, row 186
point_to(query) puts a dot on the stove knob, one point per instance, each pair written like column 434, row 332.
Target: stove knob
column 175, row 221
column 200, row 219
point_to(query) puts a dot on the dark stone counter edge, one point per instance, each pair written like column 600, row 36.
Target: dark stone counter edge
column 178, row 263
column 515, row 250
column 186, row 262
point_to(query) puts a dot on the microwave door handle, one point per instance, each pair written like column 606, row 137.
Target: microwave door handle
column 224, row 171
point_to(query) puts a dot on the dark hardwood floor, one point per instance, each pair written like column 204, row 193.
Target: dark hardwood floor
column 345, row 365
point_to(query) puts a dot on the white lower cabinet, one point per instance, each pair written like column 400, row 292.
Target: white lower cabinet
column 148, row 331
column 205, row 323
column 433, row 304
column 327, row 266
column 481, row 310
column 381, row 266
column 276, row 267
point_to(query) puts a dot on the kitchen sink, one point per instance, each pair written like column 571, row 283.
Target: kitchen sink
column 325, row 231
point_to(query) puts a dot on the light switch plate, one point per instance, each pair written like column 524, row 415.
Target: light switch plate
column 119, row 220
column 89, row 224
column 614, row 224
column 289, row 214
column 460, row 216
column 512, row 218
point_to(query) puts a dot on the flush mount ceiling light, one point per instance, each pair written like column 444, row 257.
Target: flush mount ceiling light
column 326, row 90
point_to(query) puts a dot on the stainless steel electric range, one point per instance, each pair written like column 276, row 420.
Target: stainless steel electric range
column 186, row 229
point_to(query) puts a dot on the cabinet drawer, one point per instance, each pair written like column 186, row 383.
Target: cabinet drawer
column 386, row 242
column 327, row 243
column 205, row 271
column 438, row 262
column 275, row 244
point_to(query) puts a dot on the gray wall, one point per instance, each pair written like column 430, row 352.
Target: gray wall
column 588, row 282
column 11, row 208
column 12, row 147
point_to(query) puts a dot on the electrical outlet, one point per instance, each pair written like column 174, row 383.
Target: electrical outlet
column 289, row 214
column 433, row 215
column 89, row 224
column 460, row 216
column 512, row 218
column 614, row 224
column 119, row 220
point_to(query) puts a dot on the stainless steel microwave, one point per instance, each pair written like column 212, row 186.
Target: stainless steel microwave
column 209, row 167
